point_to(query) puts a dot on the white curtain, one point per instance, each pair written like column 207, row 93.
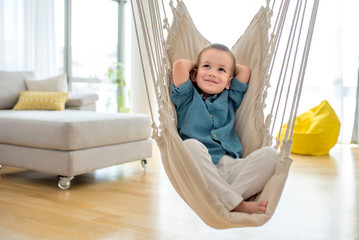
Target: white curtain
column 27, row 36
column 355, row 134
column 333, row 62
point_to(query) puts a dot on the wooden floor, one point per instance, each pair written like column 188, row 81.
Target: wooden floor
column 320, row 201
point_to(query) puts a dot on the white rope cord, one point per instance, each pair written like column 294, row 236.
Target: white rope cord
column 305, row 59
column 172, row 7
column 276, row 35
column 151, row 56
column 155, row 49
column 157, row 29
column 281, row 78
column 287, row 142
column 283, row 17
column 146, row 36
column 273, row 36
column 267, row 138
column 155, row 60
column 274, row 43
column 158, row 45
column 291, row 77
column 165, row 20
column 154, row 127
column 287, row 60
column 278, row 30
column 149, row 42
column 267, row 62
column 162, row 60
column 157, row 64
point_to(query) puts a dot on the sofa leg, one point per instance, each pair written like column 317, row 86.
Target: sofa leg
column 144, row 164
column 64, row 182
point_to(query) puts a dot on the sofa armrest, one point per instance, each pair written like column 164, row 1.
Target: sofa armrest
column 82, row 101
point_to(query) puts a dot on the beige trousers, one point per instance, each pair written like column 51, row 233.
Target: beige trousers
column 234, row 180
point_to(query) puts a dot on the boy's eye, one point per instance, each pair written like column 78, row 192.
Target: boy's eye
column 221, row 70
column 206, row 66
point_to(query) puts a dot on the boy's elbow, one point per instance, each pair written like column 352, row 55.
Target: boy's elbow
column 244, row 74
column 180, row 72
column 178, row 64
column 248, row 73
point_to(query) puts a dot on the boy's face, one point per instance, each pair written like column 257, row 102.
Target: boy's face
column 214, row 71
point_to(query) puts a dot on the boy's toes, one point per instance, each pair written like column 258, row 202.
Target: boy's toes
column 262, row 210
column 264, row 203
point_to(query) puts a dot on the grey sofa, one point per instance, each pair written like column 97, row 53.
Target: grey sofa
column 70, row 142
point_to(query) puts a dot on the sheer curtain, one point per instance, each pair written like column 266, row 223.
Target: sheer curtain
column 355, row 134
column 333, row 64
column 27, row 36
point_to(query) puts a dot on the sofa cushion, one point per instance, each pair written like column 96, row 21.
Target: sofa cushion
column 31, row 100
column 11, row 84
column 71, row 129
column 52, row 84
column 80, row 99
column 88, row 107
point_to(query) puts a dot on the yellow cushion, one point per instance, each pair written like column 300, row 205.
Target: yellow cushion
column 31, row 100
column 316, row 131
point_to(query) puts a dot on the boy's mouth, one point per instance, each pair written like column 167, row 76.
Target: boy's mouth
column 210, row 80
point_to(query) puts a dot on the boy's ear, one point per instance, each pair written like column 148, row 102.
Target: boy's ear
column 193, row 75
column 229, row 83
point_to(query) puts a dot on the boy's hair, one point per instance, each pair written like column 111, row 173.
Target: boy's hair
column 220, row 47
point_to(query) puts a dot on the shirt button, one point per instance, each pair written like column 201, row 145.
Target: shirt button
column 207, row 101
column 211, row 115
column 214, row 135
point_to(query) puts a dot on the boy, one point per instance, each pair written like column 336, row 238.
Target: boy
column 206, row 95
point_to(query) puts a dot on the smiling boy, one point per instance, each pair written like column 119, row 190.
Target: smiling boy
column 206, row 95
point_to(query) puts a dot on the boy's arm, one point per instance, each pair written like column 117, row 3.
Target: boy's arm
column 181, row 71
column 243, row 73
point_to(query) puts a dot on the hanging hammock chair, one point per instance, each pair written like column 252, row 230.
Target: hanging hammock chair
column 160, row 44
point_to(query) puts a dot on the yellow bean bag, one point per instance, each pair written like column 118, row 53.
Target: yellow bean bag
column 316, row 131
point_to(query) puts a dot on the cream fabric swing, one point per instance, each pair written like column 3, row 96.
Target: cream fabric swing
column 257, row 49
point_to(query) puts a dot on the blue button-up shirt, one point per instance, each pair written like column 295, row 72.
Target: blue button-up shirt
column 211, row 120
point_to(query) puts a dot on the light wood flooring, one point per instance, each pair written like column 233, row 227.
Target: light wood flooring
column 320, row 201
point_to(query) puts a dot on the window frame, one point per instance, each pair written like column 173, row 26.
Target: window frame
column 68, row 39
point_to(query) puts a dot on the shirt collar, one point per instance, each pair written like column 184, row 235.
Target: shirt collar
column 211, row 99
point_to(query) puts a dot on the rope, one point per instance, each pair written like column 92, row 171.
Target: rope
column 154, row 127
column 275, row 38
column 305, row 59
column 289, row 57
column 290, row 42
column 291, row 77
column 281, row 78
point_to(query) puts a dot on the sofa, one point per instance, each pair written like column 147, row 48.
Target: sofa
column 68, row 142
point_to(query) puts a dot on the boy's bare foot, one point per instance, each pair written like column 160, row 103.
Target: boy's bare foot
column 251, row 207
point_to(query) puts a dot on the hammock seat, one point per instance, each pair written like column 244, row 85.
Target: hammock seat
column 255, row 48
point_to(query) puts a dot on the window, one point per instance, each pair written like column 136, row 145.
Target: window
column 89, row 41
